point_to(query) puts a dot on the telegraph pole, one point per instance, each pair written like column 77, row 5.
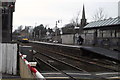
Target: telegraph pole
column 56, row 31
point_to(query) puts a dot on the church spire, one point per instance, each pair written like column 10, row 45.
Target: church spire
column 83, row 20
column 83, row 13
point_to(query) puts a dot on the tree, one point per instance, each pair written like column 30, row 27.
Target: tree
column 20, row 28
column 27, row 29
column 50, row 30
column 75, row 20
column 68, row 29
column 40, row 30
column 99, row 15
column 16, row 33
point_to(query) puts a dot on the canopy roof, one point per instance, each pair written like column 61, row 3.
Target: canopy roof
column 103, row 23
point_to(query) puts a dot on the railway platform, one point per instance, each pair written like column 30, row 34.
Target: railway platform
column 104, row 52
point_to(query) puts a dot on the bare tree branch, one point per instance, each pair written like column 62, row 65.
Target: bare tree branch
column 76, row 19
column 99, row 15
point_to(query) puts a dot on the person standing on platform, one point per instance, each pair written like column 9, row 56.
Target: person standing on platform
column 80, row 40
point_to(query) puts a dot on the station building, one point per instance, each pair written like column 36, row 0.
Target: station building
column 104, row 33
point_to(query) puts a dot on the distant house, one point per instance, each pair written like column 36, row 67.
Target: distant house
column 105, row 33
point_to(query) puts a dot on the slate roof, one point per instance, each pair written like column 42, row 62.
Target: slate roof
column 103, row 23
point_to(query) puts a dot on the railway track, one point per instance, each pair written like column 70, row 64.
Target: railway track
column 62, row 63
column 103, row 65
column 39, row 59
column 105, row 62
column 54, row 68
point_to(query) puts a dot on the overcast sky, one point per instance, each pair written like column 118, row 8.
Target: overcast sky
column 47, row 12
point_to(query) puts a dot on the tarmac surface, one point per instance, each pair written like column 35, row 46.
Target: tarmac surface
column 105, row 52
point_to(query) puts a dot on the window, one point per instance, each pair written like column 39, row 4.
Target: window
column 106, row 33
column 112, row 33
column 91, row 31
column 85, row 31
column 99, row 33
column 118, row 33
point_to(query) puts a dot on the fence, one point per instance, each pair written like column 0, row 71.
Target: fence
column 27, row 71
column 8, row 56
column 24, row 70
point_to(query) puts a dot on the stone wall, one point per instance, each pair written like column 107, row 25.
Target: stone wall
column 68, row 39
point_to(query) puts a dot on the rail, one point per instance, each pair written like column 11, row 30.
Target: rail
column 68, row 76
